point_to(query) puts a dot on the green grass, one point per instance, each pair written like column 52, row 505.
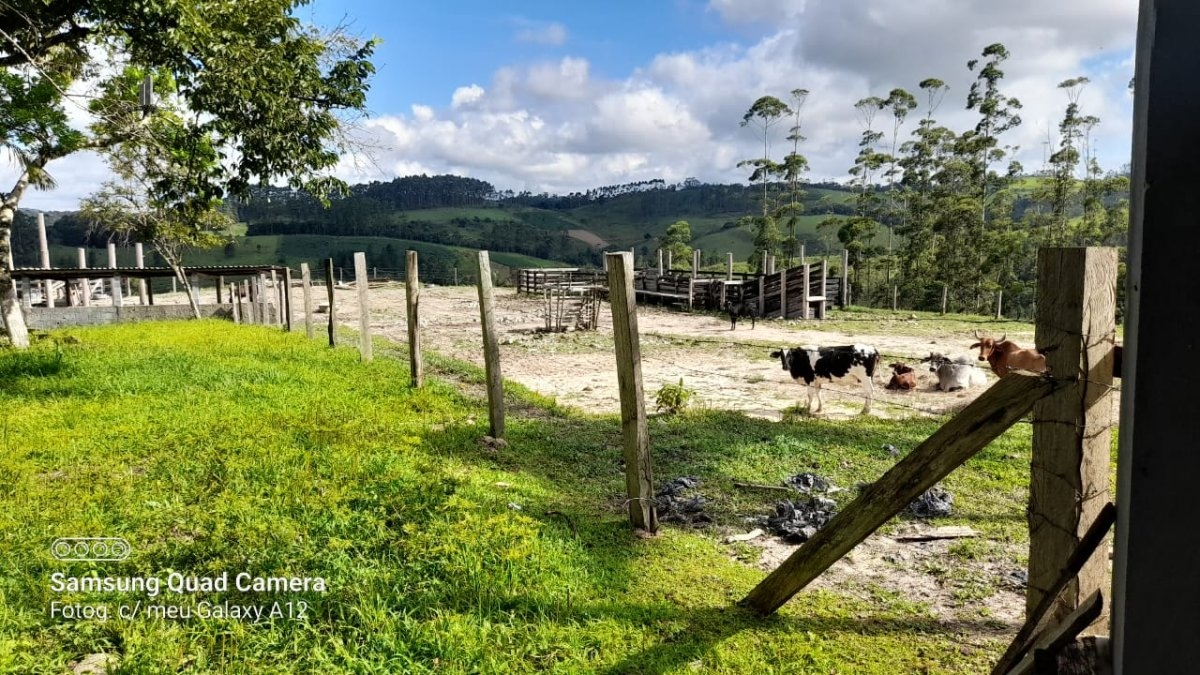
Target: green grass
column 218, row 448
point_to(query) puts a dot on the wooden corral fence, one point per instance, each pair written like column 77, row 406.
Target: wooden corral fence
column 801, row 292
column 1071, row 406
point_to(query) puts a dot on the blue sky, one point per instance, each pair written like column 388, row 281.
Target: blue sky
column 565, row 96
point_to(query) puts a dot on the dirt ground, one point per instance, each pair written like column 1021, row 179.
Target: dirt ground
column 729, row 370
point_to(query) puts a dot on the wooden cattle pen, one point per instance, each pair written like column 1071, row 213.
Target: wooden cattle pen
column 801, row 292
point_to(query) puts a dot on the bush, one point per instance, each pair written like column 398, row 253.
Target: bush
column 673, row 398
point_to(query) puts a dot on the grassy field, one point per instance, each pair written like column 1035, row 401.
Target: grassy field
column 215, row 448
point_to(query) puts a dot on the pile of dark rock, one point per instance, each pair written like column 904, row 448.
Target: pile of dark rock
column 674, row 506
column 935, row 502
column 797, row 520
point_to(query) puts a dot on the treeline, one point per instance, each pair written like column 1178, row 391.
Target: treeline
column 937, row 209
column 480, row 233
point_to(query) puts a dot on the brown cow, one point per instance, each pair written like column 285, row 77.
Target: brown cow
column 1005, row 356
column 903, row 377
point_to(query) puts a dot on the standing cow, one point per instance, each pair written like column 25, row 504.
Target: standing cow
column 741, row 310
column 816, row 365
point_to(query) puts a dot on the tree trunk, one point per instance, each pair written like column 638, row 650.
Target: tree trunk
column 10, row 307
column 174, row 262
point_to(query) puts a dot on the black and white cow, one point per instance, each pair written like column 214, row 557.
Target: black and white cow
column 816, row 365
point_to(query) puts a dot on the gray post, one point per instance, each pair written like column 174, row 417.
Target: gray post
column 141, row 262
column 85, row 284
column 729, row 266
column 762, row 269
column 115, row 284
column 1155, row 584
column 287, row 298
column 332, row 327
column 845, row 277
column 803, row 257
column 695, row 263
column 660, row 262
column 364, row 306
column 47, row 285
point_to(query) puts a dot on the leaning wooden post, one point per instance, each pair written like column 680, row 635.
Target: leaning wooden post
column 896, row 299
column 287, row 298
column 945, row 296
column 955, row 442
column 1072, row 430
column 115, row 285
column 140, row 256
column 412, row 293
column 491, row 347
column 85, row 284
column 999, row 304
column 306, row 283
column 639, row 478
column 332, row 310
column 364, row 307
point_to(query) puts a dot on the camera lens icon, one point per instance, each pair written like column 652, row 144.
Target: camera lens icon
column 90, row 549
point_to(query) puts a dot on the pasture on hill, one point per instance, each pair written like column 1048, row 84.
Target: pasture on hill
column 216, row 448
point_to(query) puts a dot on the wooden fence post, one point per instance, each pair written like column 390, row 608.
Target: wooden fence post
column 287, row 298
column 332, row 325
column 220, row 287
column 1072, row 430
column 729, row 266
column 491, row 347
column 823, row 304
column 306, row 284
column 806, row 270
column 762, row 268
column 85, row 284
column 1000, row 304
column 783, row 293
column 945, row 296
column 235, row 302
column 955, row 442
column 695, row 263
column 639, row 478
column 412, row 292
column 251, row 313
column 896, row 298
column 669, row 262
column 845, row 278
column 364, row 306
column 660, row 262
column 803, row 257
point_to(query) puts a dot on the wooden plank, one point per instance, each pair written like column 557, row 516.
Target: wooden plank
column 955, row 442
column 306, row 289
column 639, row 478
column 1072, row 430
column 361, row 281
column 1054, row 639
column 332, row 324
column 412, row 296
column 491, row 348
column 1082, row 553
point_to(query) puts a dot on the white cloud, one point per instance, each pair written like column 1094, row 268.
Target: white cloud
column 464, row 96
column 549, row 33
column 564, row 125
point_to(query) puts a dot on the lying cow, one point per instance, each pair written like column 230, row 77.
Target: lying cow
column 1005, row 356
column 814, row 365
column 739, row 310
column 904, row 378
column 956, row 374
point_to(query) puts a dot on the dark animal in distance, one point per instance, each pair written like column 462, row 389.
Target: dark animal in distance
column 959, row 373
column 1005, row 356
column 904, row 378
column 816, row 365
column 741, row 310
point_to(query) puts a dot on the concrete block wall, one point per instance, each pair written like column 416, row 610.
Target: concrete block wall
column 46, row 318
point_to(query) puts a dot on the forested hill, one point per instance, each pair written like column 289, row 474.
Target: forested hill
column 573, row 228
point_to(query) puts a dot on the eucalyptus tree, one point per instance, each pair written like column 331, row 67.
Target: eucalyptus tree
column 1064, row 161
column 794, row 166
column 268, row 92
column 762, row 116
column 998, row 113
column 900, row 102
